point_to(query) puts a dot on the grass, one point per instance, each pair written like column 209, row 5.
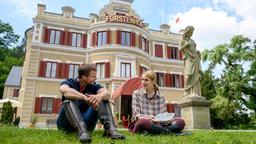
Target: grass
column 13, row 135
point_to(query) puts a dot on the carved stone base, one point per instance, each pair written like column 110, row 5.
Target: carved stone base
column 195, row 112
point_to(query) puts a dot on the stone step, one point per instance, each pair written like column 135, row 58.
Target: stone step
column 30, row 85
column 28, row 102
column 32, row 73
column 34, row 61
column 29, row 92
column 26, row 107
column 28, row 99
column 33, row 66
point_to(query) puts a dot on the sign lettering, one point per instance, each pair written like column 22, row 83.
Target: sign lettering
column 124, row 19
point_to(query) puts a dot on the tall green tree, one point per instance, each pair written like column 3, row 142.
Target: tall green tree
column 7, row 36
column 235, row 85
column 250, row 88
column 208, row 85
column 208, row 88
column 10, row 53
column 19, row 50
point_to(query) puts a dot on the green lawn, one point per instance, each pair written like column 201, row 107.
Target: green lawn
column 11, row 135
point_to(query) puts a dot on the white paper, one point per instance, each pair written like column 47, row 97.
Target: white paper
column 165, row 116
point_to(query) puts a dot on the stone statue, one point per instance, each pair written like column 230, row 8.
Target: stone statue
column 192, row 63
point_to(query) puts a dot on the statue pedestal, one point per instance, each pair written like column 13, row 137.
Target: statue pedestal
column 195, row 112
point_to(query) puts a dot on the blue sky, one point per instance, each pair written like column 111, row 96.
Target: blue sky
column 20, row 13
column 215, row 21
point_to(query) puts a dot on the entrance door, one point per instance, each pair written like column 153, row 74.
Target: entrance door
column 126, row 106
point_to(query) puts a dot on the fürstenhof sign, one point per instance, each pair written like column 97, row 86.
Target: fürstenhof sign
column 124, row 19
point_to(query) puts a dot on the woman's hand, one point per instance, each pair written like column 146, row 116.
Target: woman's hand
column 144, row 117
column 156, row 121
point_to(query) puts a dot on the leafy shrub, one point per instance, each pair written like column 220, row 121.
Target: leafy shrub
column 7, row 113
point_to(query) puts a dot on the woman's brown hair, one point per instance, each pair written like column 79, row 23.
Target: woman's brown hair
column 152, row 76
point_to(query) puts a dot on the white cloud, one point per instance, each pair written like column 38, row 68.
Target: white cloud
column 213, row 27
column 245, row 8
column 24, row 8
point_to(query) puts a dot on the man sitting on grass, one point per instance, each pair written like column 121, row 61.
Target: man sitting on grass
column 84, row 102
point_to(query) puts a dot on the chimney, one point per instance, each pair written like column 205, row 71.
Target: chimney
column 146, row 25
column 165, row 28
column 93, row 17
column 68, row 12
column 125, row 2
column 41, row 9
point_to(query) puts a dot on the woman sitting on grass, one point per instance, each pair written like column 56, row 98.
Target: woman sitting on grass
column 147, row 102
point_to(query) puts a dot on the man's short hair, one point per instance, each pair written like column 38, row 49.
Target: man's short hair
column 85, row 69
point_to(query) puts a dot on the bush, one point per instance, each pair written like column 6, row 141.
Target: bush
column 7, row 113
column 34, row 119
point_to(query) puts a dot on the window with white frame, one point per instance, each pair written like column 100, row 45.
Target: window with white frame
column 125, row 70
column 100, row 70
column 51, row 68
column 143, row 42
column 175, row 53
column 102, row 38
column 73, row 70
column 76, row 39
column 176, row 80
column 47, row 105
column 125, row 38
column 160, row 79
column 54, row 36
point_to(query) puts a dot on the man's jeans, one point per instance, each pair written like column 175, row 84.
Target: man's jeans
column 90, row 117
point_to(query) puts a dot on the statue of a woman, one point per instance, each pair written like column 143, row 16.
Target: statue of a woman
column 192, row 63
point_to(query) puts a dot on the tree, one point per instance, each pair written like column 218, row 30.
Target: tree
column 232, row 98
column 7, row 36
column 19, row 50
column 208, row 88
column 250, row 88
column 7, row 113
column 9, row 54
column 208, row 85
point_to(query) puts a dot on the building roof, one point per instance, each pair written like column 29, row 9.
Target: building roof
column 14, row 77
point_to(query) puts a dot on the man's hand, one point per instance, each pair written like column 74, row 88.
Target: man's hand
column 86, row 98
column 94, row 100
